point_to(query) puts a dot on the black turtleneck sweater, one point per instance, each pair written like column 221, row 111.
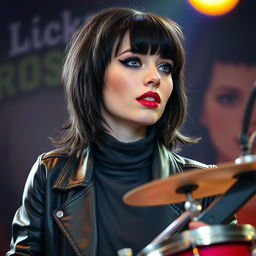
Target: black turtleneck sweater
column 120, row 167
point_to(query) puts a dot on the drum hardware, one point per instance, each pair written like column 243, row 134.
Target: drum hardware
column 223, row 240
column 192, row 207
column 237, row 185
column 245, row 159
column 234, row 181
column 195, row 250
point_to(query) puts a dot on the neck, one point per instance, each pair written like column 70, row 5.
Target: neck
column 126, row 133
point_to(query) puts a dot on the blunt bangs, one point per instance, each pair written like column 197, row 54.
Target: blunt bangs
column 150, row 35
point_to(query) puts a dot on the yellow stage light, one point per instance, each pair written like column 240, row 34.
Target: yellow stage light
column 214, row 7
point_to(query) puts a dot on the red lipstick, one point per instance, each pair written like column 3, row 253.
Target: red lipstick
column 149, row 99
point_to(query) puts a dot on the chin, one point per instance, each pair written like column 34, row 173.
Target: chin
column 148, row 120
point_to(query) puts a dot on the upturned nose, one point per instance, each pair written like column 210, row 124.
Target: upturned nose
column 152, row 77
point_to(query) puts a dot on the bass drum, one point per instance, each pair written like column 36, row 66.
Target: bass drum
column 216, row 240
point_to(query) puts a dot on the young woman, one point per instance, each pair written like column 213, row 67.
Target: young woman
column 126, row 99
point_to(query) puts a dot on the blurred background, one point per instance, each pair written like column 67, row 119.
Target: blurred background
column 220, row 70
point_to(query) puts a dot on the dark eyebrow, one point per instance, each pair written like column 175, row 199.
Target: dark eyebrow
column 226, row 87
column 127, row 50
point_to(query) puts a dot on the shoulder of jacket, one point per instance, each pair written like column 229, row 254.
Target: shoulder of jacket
column 187, row 163
column 56, row 153
column 58, row 159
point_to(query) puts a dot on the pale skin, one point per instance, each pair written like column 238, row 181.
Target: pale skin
column 128, row 76
column 224, row 105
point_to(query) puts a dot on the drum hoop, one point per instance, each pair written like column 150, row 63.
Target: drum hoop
column 202, row 236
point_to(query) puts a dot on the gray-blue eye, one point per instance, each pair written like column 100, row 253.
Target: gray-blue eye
column 227, row 99
column 166, row 68
column 131, row 62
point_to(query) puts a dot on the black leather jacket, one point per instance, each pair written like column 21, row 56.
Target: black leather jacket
column 57, row 216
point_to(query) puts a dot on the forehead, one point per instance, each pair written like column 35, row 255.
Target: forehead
column 237, row 76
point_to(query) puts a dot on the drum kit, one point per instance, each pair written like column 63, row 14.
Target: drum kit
column 234, row 183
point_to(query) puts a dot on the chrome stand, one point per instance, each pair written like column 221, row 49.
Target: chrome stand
column 192, row 207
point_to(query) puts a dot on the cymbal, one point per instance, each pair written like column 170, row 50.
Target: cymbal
column 209, row 182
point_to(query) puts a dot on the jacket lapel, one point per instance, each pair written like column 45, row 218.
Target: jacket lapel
column 76, row 217
column 77, row 172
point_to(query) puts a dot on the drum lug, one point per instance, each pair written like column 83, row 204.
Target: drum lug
column 194, row 249
column 253, row 251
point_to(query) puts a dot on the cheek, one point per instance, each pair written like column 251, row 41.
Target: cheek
column 215, row 111
column 167, row 91
column 218, row 120
column 117, row 84
column 117, row 88
column 211, row 112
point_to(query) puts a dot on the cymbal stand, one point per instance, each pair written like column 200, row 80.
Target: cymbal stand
column 192, row 207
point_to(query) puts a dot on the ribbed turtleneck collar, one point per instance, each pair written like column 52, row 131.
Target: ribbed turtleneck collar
column 116, row 155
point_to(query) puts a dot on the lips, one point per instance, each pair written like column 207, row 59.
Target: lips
column 149, row 99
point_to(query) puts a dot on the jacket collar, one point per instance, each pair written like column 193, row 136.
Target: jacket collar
column 77, row 172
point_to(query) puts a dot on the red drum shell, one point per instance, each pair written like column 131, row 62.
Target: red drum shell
column 227, row 249
column 221, row 240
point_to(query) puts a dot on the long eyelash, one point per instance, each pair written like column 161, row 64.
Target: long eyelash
column 126, row 61
column 169, row 66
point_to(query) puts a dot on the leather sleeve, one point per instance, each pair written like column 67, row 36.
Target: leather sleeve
column 28, row 222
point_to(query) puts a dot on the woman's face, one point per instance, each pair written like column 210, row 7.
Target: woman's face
column 224, row 105
column 137, row 88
